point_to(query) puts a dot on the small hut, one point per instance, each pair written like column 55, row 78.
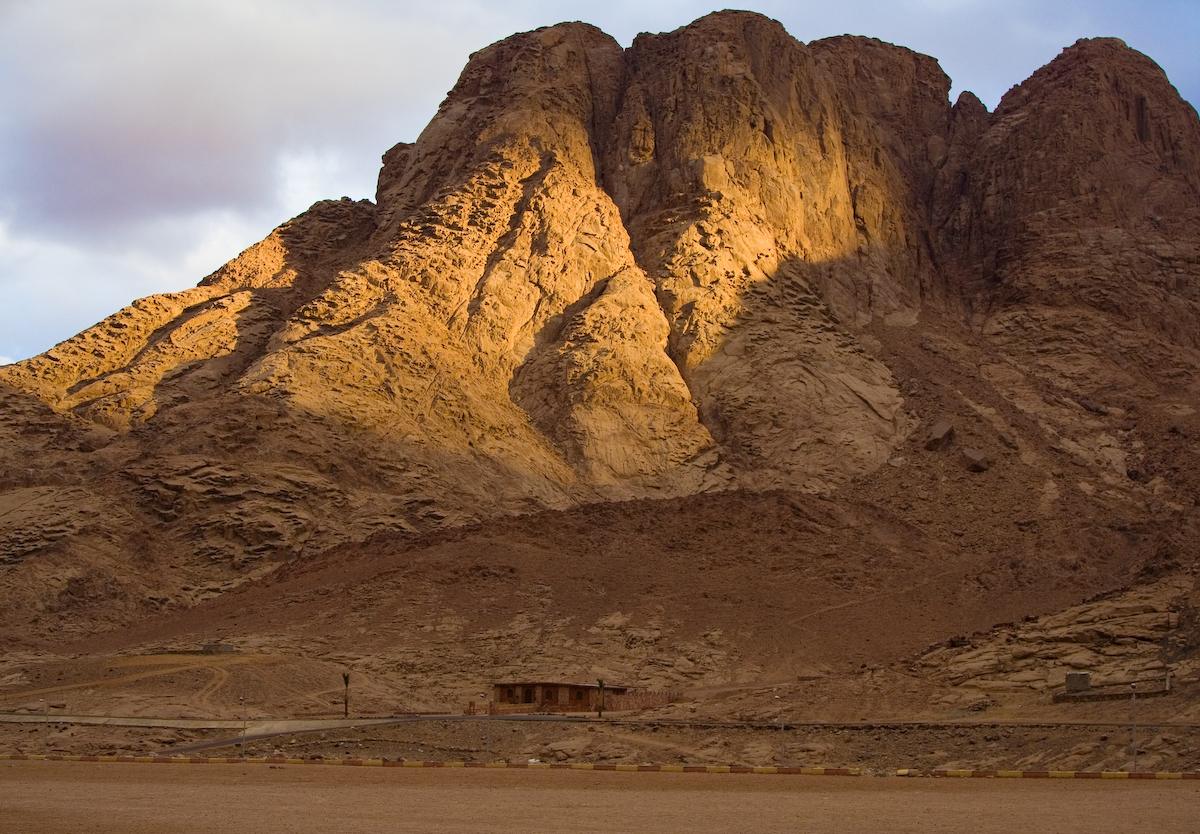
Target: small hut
column 552, row 696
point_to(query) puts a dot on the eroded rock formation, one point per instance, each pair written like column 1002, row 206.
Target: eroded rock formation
column 601, row 274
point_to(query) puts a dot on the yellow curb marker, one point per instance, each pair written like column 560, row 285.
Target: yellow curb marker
column 620, row 768
column 1045, row 774
column 592, row 766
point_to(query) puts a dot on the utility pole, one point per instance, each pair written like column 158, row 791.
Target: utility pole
column 487, row 728
column 346, row 695
column 242, row 708
column 1133, row 700
column 600, row 700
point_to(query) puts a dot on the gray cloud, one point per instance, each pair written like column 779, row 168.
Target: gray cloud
column 121, row 110
column 144, row 143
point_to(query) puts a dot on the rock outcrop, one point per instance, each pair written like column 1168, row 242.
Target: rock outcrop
column 720, row 259
column 1116, row 640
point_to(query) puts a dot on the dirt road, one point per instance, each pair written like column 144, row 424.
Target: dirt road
column 43, row 797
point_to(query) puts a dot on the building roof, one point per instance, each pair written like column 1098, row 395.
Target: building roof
column 558, row 683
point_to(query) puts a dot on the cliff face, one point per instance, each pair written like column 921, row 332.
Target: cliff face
column 603, row 274
column 1068, row 222
column 1082, row 189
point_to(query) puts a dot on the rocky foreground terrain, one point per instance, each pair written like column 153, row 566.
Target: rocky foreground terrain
column 723, row 364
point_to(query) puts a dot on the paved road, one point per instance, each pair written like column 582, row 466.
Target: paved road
column 295, row 724
column 301, row 724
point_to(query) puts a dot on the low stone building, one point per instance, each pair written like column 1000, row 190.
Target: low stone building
column 551, row 696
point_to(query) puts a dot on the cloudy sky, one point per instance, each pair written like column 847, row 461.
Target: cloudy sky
column 143, row 143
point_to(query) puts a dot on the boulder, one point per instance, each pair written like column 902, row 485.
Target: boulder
column 976, row 460
column 940, row 437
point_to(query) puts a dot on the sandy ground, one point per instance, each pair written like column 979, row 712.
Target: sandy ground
column 55, row 797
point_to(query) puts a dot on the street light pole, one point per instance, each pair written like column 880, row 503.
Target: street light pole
column 1133, row 699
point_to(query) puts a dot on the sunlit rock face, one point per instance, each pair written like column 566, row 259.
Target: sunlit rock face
column 605, row 274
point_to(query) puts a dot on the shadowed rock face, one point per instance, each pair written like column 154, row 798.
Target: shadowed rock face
column 605, row 274
column 1088, row 171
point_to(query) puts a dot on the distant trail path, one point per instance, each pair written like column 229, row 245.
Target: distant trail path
column 169, row 665
column 219, row 678
column 136, row 676
column 899, row 592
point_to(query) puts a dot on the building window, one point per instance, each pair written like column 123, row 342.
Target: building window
column 511, row 697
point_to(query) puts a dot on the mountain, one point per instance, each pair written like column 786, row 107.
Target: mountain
column 713, row 275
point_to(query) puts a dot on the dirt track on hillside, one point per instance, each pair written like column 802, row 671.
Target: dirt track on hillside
column 37, row 797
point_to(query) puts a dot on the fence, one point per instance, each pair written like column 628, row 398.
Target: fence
column 638, row 700
column 627, row 702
